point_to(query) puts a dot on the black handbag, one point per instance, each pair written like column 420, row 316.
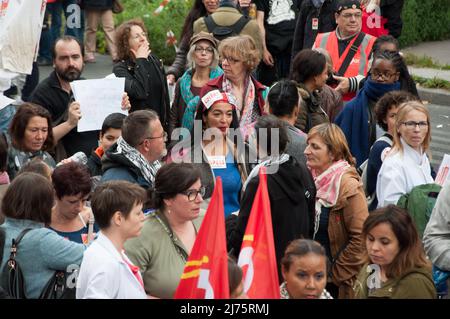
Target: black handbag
column 15, row 282
column 55, row 288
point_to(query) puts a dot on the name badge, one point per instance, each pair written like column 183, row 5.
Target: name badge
column 217, row 162
column 315, row 24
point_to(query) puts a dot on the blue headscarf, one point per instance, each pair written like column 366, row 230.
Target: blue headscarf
column 354, row 118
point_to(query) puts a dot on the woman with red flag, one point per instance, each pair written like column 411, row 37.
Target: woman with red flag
column 168, row 235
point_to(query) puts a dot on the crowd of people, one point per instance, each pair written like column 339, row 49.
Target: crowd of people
column 301, row 90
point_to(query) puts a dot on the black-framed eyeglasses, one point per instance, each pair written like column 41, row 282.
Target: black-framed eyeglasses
column 193, row 193
column 230, row 60
column 411, row 125
column 164, row 137
column 385, row 75
column 206, row 50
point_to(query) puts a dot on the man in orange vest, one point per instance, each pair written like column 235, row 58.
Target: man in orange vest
column 348, row 46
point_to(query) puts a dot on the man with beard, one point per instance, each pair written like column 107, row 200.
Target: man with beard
column 54, row 94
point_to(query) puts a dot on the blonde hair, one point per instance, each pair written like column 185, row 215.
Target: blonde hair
column 241, row 47
column 402, row 112
column 333, row 137
column 190, row 62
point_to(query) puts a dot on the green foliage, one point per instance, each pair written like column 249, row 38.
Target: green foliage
column 424, row 62
column 171, row 18
column 434, row 83
column 425, row 20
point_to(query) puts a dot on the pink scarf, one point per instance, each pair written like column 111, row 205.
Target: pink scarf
column 329, row 182
column 248, row 114
column 4, row 178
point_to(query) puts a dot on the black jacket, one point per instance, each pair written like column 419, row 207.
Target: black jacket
column 304, row 35
column 392, row 11
column 146, row 85
column 94, row 164
column 292, row 202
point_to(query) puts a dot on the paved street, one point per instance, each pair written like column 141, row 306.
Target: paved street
column 440, row 114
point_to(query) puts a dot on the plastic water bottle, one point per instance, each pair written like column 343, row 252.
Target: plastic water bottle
column 78, row 157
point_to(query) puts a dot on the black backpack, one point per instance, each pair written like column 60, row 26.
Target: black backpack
column 222, row 32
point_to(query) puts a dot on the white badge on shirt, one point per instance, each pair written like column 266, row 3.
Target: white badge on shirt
column 315, row 23
column 217, row 162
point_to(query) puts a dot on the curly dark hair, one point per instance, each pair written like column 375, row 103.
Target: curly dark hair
column 20, row 121
column 123, row 35
column 387, row 102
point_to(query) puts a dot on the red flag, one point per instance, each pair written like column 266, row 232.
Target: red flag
column 257, row 257
column 205, row 274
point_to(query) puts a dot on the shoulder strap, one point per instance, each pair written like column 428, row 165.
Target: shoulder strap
column 210, row 24
column 351, row 53
column 386, row 139
column 16, row 241
column 240, row 24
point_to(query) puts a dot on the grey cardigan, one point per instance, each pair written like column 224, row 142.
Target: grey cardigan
column 40, row 253
column 436, row 238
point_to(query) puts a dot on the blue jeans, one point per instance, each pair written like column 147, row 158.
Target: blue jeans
column 46, row 40
column 74, row 23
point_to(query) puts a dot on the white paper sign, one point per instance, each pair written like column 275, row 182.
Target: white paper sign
column 5, row 101
column 98, row 98
column 217, row 162
column 443, row 173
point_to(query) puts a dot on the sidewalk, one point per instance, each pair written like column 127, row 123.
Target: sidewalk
column 439, row 52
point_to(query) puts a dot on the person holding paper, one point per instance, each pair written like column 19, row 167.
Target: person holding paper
column 55, row 94
column 407, row 164
column 145, row 79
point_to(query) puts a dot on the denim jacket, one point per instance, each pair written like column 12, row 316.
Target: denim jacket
column 40, row 253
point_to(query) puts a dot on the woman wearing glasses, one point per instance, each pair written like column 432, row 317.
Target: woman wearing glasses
column 358, row 120
column 145, row 80
column 203, row 60
column 407, row 164
column 240, row 57
column 168, row 235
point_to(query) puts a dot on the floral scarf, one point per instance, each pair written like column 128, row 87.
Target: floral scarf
column 327, row 185
column 190, row 99
column 249, row 112
column 147, row 170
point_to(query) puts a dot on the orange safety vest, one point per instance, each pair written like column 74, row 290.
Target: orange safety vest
column 360, row 61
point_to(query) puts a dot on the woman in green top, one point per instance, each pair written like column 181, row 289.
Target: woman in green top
column 396, row 267
column 168, row 235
